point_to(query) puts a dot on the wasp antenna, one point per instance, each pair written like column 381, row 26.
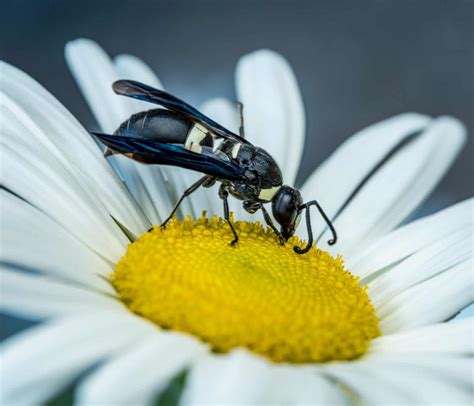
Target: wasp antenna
column 298, row 250
column 306, row 206
column 328, row 222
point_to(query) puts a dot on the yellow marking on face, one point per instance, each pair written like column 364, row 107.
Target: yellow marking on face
column 267, row 194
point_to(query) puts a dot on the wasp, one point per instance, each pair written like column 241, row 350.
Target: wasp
column 180, row 135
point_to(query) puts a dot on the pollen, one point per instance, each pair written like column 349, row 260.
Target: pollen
column 256, row 294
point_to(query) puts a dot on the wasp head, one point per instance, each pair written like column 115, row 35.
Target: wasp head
column 286, row 210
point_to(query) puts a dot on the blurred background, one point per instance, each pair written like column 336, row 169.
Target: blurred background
column 357, row 62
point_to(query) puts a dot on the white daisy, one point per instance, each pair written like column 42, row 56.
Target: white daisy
column 67, row 219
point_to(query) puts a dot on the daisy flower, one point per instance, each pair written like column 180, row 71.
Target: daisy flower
column 132, row 317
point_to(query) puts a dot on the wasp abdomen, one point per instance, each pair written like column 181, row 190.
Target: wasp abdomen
column 159, row 125
column 166, row 126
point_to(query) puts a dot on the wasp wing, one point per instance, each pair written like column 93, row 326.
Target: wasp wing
column 210, row 162
column 147, row 93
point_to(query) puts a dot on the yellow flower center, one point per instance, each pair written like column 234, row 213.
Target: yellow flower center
column 256, row 294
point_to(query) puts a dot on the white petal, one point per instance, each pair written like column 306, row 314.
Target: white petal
column 367, row 389
column 131, row 174
column 273, row 108
column 292, row 385
column 231, row 378
column 443, row 254
column 407, row 380
column 223, row 111
column 95, row 73
column 37, row 297
column 450, row 338
column 131, row 67
column 41, row 361
column 432, row 301
column 468, row 311
column 35, row 117
column 336, row 178
column 408, row 239
column 59, row 195
column 31, row 239
column 152, row 362
column 242, row 378
column 398, row 186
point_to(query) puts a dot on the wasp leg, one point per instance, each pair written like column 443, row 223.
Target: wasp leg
column 209, row 182
column 241, row 111
column 269, row 222
column 251, row 206
column 223, row 194
column 186, row 193
column 309, row 244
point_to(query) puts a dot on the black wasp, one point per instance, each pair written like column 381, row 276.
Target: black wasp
column 182, row 136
